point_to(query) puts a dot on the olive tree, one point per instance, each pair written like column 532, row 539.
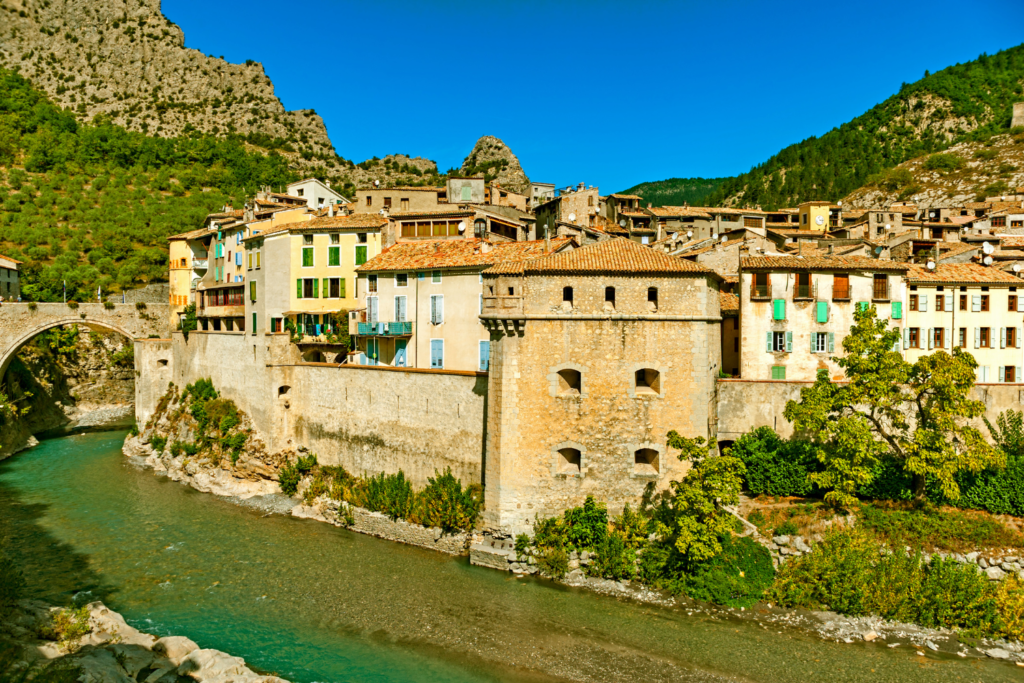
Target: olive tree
column 917, row 414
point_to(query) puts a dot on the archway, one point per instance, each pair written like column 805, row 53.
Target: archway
column 24, row 338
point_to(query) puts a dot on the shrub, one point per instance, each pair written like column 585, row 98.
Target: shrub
column 109, row 305
column 1010, row 607
column 32, row 305
column 133, row 430
column 553, row 562
column 445, row 504
column 944, row 161
column 586, row 527
column 615, row 559
column 388, row 493
column 73, row 305
column 140, row 305
column 289, row 477
column 986, row 154
column 739, row 576
column 522, row 544
column 306, row 464
column 12, row 581
column 775, row 466
column 157, row 443
column 67, row 626
column 948, row 530
column 787, row 528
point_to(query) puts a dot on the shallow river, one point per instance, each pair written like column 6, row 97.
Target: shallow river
column 315, row 603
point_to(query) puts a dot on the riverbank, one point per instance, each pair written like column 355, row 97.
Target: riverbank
column 823, row 624
column 100, row 644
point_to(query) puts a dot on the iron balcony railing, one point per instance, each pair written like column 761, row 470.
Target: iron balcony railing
column 760, row 291
column 393, row 329
column 881, row 292
column 841, row 293
column 805, row 291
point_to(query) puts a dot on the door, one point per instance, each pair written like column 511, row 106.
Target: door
column 400, row 353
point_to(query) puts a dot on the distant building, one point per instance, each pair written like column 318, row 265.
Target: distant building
column 391, row 199
column 316, row 193
column 10, row 283
column 540, row 193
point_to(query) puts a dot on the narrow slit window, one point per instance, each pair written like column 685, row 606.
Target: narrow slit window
column 567, row 298
column 609, row 298
column 652, row 298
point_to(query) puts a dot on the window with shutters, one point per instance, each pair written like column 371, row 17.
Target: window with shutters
column 913, row 302
column 334, row 256
column 881, row 288
column 939, row 341
column 963, row 338
column 749, row 222
column 400, row 311
column 841, row 287
column 307, row 257
column 250, row 260
column 402, row 280
column 914, row 337
column 387, row 202
column 337, row 291
column 760, row 286
column 252, row 291
column 437, row 309
column 984, row 302
column 437, row 353
column 1012, row 303
column 371, row 284
column 778, row 372
column 258, row 259
column 371, row 310
column 360, row 254
column 778, row 341
column 999, row 221
column 984, row 337
column 1009, row 374
column 803, row 286
column 1011, row 337
column 820, row 342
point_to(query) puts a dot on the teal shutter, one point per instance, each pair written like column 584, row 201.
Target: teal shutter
column 298, row 288
column 813, row 337
column 437, row 353
column 822, row 311
column 862, row 305
column 897, row 310
column 316, row 288
column 789, row 342
column 326, row 289
column 831, row 342
column 779, row 309
column 769, row 349
column 485, row 355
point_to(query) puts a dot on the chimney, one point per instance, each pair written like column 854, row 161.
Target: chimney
column 485, row 247
column 327, row 183
column 830, row 249
column 330, row 210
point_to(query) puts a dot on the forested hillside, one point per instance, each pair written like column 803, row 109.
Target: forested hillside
column 968, row 101
column 677, row 191
column 92, row 204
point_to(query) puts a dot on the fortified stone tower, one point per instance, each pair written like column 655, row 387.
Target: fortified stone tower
column 1018, row 115
column 596, row 354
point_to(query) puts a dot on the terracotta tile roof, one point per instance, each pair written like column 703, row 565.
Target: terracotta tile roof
column 962, row 220
column 405, row 188
column 820, row 263
column 8, row 258
column 729, row 211
column 191, row 234
column 957, row 249
column 236, row 213
column 445, row 254
column 973, row 273
column 678, row 211
column 439, row 213
column 288, row 196
column 637, row 214
column 616, row 255
column 797, row 232
column 729, row 303
column 624, row 196
column 823, row 251
column 370, row 221
column 711, row 247
column 1012, row 241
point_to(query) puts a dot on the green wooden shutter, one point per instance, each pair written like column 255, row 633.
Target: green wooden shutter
column 298, row 288
column 769, row 349
column 334, row 256
column 342, row 288
column 316, row 288
column 360, row 255
column 789, row 342
column 327, row 290
column 862, row 305
column 779, row 309
column 254, row 323
column 814, row 338
column 831, row 342
column 897, row 310
column 252, row 291
column 822, row 311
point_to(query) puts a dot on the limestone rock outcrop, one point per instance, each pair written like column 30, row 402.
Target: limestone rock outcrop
column 128, row 61
column 493, row 158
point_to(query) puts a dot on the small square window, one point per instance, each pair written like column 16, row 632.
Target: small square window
column 402, row 280
column 307, row 239
column 335, row 238
column 435, row 276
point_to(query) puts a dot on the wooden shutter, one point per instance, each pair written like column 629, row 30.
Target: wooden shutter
column 485, row 355
column 789, row 342
column 822, row 311
column 814, row 342
column 906, row 337
column 360, row 255
column 769, row 349
column 831, row 342
column 975, row 303
column 371, row 310
column 298, row 288
column 779, row 309
column 252, row 291
column 977, row 337
column 316, row 288
column 327, row 290
column 922, row 303
column 342, row 283
column 897, row 310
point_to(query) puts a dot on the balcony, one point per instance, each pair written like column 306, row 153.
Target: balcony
column 804, row 292
column 393, row 329
column 502, row 305
column 841, row 293
column 760, row 292
column 200, row 263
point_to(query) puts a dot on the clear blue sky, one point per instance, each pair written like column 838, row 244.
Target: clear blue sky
column 607, row 93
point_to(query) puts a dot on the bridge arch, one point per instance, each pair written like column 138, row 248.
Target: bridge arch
column 8, row 353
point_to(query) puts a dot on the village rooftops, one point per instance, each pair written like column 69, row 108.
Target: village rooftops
column 960, row 273
column 830, row 263
column 1011, row 241
column 440, row 213
column 404, row 188
column 625, row 196
column 617, row 255
column 353, row 221
column 191, row 235
column 678, row 212
column 451, row 254
column 729, row 303
column 8, row 258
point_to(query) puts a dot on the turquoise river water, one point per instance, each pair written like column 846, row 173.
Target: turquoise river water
column 311, row 602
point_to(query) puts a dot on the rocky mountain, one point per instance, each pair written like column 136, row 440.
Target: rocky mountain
column 495, row 161
column 962, row 103
column 965, row 172
column 126, row 60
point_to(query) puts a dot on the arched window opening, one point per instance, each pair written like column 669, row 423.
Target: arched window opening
column 569, row 460
column 569, row 382
column 646, row 461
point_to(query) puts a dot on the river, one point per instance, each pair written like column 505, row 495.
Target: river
column 312, row 602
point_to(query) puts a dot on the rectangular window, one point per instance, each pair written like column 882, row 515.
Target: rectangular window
column 761, row 287
column 404, row 201
column 803, row 286
column 984, row 302
column 914, row 336
column 940, row 337
column 985, row 338
column 778, row 372
column 258, row 259
column 749, row 222
column 485, row 355
column 913, row 302
column 307, row 240
column 939, row 303
column 999, row 221
column 963, row 338
column 310, row 287
column 360, row 255
column 334, row 256
column 402, row 280
column 336, row 289
column 820, row 342
column 841, row 286
column 437, row 309
column 1011, row 337
column 1012, row 303
column 963, row 302
column 369, row 200
column 881, row 288
column 437, row 351
column 335, row 238
column 254, row 323
column 250, row 260
column 435, row 277
column 371, row 310
column 1009, row 374
column 307, row 257
column 387, row 202
column 371, row 284
column 778, row 341
column 400, row 310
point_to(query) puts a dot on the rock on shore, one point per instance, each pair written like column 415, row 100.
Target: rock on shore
column 114, row 652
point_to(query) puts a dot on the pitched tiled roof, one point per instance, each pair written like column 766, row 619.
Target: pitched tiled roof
column 405, row 188
column 191, row 234
column 8, row 258
column 236, row 213
column 820, row 263
column 680, row 211
column 287, row 196
column 352, row 221
column 616, row 255
column 952, row 273
column 1011, row 241
column 438, row 213
column 463, row 253
column 957, row 249
column 730, row 303
column 711, row 247
column 625, row 196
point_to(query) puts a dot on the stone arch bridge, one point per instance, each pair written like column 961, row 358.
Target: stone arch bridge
column 19, row 323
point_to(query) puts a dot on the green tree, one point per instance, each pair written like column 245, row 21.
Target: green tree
column 918, row 415
column 697, row 521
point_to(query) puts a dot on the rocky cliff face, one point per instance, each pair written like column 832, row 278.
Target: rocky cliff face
column 492, row 158
column 125, row 59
